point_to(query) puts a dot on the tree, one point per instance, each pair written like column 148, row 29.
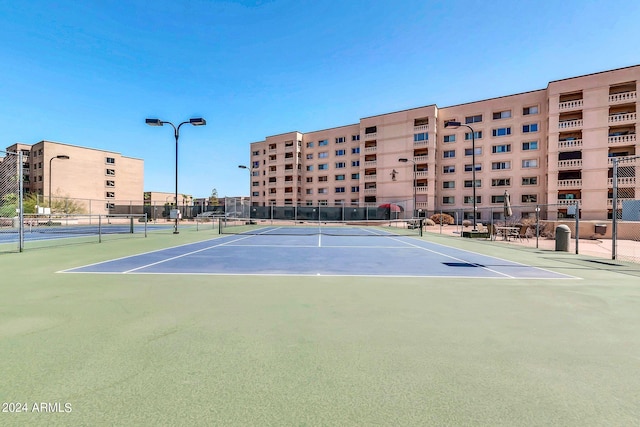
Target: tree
column 213, row 200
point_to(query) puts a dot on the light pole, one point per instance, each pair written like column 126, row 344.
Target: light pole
column 199, row 121
column 455, row 125
column 62, row 157
column 405, row 160
column 250, row 186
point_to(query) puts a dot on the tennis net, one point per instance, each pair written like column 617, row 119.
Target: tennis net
column 403, row 227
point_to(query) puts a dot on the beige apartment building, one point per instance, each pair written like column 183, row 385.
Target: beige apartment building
column 98, row 180
column 551, row 147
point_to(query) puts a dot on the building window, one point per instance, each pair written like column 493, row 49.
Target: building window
column 531, row 145
column 469, row 151
column 469, row 183
column 355, row 150
column 309, row 156
column 111, row 161
column 309, row 144
column 497, row 199
column 323, row 178
column 424, row 136
column 449, row 169
column 502, row 115
column 530, row 180
column 504, row 148
column 110, row 205
column 111, row 194
column 339, row 189
column 340, row 140
column 500, row 165
column 530, row 128
column 256, row 153
column 448, row 184
column 340, row 165
column 449, row 154
column 501, row 182
column 370, row 130
column 355, row 176
column 449, row 138
column 111, row 183
column 309, row 168
column 502, row 131
column 355, row 189
column 355, row 137
column 309, row 191
column 473, row 119
column 355, row 163
column 476, row 135
column 309, row 179
column 469, row 199
column 341, row 152
column 256, row 164
column 468, row 168
column 530, row 110
column 530, row 163
column 340, row 177
column 448, row 200
column 323, row 142
column 323, row 191
column 323, row 155
column 111, row 172
column 529, row 198
column 323, row 166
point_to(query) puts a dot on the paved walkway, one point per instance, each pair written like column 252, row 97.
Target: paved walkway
column 627, row 250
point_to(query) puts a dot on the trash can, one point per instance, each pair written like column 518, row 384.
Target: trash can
column 563, row 234
column 601, row 229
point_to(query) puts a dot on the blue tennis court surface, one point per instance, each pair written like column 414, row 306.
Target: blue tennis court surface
column 320, row 255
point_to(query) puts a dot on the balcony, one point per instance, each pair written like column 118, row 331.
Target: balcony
column 570, row 124
column 421, row 159
column 570, row 164
column 422, row 174
column 421, row 143
column 370, row 190
column 570, row 183
column 371, row 149
column 370, row 177
column 421, row 189
column 421, row 128
column 567, row 202
column 370, row 163
column 622, row 117
column 574, row 143
column 620, row 200
column 622, row 139
column 623, row 160
column 630, row 96
column 570, row 105
column 627, row 181
column 369, row 136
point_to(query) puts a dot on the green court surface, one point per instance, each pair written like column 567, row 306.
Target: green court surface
column 169, row 350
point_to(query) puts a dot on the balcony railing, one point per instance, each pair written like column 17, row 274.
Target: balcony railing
column 370, row 135
column 623, row 97
column 621, row 118
column 420, row 143
column 569, row 124
column 575, row 143
column 620, row 200
column 421, row 159
column 421, row 188
column 422, row 174
column 624, row 160
column 370, row 177
column 568, row 202
column 627, row 181
column 370, row 190
column 622, row 139
column 570, row 183
column 370, row 163
column 421, row 128
column 573, row 164
column 570, row 105
column 370, row 149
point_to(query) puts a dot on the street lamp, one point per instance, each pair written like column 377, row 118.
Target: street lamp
column 250, row 186
column 62, row 157
column 199, row 121
column 455, row 125
column 405, row 160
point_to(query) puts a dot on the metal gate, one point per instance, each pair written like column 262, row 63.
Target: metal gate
column 11, row 210
column 625, row 209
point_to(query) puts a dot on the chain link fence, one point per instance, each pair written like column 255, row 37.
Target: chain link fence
column 625, row 209
column 10, row 201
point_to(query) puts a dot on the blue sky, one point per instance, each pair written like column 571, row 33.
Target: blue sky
column 89, row 73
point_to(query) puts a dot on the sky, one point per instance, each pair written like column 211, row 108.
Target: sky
column 89, row 73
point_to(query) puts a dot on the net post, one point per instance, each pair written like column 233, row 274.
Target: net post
column 145, row 224
column 99, row 228
column 421, row 225
column 577, row 226
column 131, row 225
column 537, row 224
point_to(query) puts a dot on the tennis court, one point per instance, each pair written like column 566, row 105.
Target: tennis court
column 320, row 251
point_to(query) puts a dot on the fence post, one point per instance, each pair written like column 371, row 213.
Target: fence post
column 577, row 226
column 537, row 224
column 20, row 204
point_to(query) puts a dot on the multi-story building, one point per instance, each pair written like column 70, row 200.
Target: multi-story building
column 550, row 147
column 96, row 179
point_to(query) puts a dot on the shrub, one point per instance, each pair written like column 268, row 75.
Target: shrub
column 442, row 219
column 466, row 223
